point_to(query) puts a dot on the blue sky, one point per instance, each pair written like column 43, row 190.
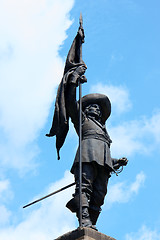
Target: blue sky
column 122, row 52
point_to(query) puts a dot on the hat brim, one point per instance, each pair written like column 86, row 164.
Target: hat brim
column 100, row 99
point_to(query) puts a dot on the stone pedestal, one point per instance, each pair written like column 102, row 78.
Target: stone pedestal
column 84, row 234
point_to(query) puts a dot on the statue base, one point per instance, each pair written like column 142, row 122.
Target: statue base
column 84, row 234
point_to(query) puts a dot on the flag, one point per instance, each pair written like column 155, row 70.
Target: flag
column 60, row 123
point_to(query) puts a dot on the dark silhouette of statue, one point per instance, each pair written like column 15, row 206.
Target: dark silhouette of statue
column 97, row 163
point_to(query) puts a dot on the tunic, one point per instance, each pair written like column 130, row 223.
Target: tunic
column 95, row 139
column 95, row 144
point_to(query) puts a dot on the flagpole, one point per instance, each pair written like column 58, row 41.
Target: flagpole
column 80, row 133
column 80, row 154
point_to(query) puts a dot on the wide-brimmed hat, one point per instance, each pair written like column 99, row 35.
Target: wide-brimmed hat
column 100, row 99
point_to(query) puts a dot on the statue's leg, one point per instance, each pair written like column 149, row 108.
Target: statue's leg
column 94, row 212
column 99, row 192
column 88, row 175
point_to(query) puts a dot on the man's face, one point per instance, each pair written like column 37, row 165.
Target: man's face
column 93, row 110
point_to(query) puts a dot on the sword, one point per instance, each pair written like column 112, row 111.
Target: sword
column 40, row 199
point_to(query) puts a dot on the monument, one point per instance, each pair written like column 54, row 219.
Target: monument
column 93, row 164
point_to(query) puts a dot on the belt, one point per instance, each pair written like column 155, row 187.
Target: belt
column 95, row 135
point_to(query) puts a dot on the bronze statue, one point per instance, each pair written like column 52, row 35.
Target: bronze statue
column 97, row 164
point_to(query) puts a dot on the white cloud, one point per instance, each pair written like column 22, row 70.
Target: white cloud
column 3, row 186
column 5, row 190
column 118, row 96
column 30, row 69
column 5, row 196
column 144, row 233
column 122, row 192
column 50, row 220
column 135, row 186
column 5, row 215
column 152, row 126
column 127, row 139
column 135, row 136
column 139, row 136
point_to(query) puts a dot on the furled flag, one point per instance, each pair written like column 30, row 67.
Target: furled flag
column 60, row 123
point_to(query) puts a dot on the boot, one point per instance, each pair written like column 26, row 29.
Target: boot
column 94, row 214
column 86, row 222
column 73, row 204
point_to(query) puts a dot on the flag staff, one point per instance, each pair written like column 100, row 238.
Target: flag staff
column 80, row 155
column 80, row 135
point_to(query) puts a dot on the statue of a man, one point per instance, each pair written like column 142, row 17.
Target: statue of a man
column 97, row 164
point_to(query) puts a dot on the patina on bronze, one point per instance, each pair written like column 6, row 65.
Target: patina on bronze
column 88, row 115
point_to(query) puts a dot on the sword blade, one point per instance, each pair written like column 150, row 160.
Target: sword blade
column 57, row 191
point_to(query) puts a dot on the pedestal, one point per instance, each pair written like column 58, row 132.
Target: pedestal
column 84, row 234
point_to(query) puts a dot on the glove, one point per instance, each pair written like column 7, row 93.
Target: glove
column 78, row 74
column 80, row 70
column 122, row 161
